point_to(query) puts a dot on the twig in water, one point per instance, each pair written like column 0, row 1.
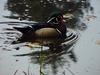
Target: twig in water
column 28, row 70
column 64, row 73
column 70, row 71
column 31, row 73
column 25, row 73
column 15, row 72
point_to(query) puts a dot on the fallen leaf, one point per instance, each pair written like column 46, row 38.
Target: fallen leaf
column 90, row 17
column 98, row 42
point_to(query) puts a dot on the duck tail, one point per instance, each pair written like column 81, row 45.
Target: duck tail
column 22, row 30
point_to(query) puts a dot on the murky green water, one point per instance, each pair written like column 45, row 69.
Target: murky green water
column 80, row 58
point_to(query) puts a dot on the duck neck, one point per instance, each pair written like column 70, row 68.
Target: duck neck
column 62, row 28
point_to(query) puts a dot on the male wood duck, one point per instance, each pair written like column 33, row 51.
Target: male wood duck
column 53, row 28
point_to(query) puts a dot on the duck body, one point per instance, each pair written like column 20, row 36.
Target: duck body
column 42, row 30
column 53, row 28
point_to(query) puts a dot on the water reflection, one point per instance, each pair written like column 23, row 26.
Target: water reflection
column 40, row 10
column 29, row 10
column 55, row 58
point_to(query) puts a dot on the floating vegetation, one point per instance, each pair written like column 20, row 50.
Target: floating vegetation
column 90, row 17
column 41, row 61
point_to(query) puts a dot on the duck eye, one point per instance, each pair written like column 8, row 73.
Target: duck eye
column 60, row 17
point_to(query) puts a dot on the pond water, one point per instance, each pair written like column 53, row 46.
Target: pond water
column 80, row 58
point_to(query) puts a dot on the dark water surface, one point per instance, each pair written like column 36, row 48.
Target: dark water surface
column 80, row 58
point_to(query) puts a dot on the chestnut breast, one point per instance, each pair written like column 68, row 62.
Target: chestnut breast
column 47, row 33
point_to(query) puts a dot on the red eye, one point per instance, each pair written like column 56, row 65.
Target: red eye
column 60, row 18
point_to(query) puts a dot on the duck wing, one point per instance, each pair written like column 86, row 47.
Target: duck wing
column 34, row 27
column 24, row 29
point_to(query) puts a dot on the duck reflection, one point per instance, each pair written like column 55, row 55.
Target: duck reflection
column 53, row 53
column 55, row 57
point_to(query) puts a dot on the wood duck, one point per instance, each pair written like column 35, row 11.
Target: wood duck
column 53, row 28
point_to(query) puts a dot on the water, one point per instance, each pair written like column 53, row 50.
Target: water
column 81, row 58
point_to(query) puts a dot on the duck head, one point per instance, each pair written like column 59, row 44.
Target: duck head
column 55, row 18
